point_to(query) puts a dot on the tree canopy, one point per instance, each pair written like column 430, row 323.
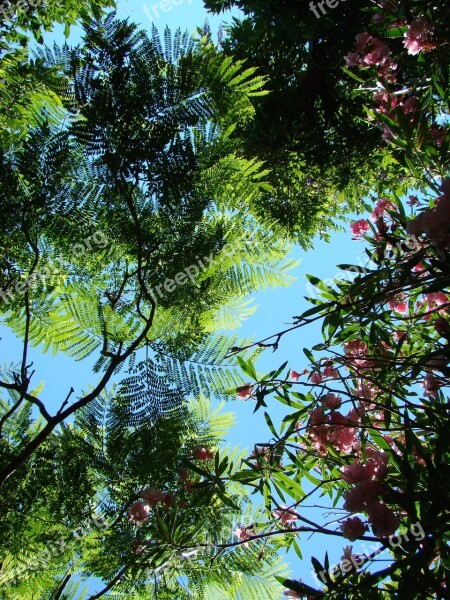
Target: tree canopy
column 149, row 185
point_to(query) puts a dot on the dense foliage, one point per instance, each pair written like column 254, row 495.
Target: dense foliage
column 137, row 219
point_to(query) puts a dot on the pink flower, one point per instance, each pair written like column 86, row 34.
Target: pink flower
column 382, row 205
column 152, row 496
column 412, row 44
column 352, row 59
column 419, row 268
column 413, row 200
column 398, row 304
column 383, row 520
column 357, row 351
column 243, row 534
column 294, row 375
column 331, row 401
column 365, row 391
column 362, row 39
column 377, row 55
column 356, row 472
column 409, row 105
column 245, row 391
column 343, row 437
column 353, row 528
column 317, row 416
column 330, row 371
column 286, row 515
column 359, row 228
column 316, row 377
column 357, row 498
column 355, row 415
column 203, row 454
column 417, row 37
column 434, row 300
column 431, row 385
column 138, row 512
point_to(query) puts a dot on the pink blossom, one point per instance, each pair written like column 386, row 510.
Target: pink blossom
column 357, row 351
column 331, row 401
column 138, row 512
column 412, row 44
column 352, row 59
column 316, row 377
column 362, row 39
column 245, row 391
column 330, row 371
column 152, row 496
column 355, row 415
column 294, row 375
column 417, row 37
column 359, row 228
column 398, row 304
column 409, row 105
column 203, row 454
column 431, row 385
column 286, row 515
column 353, row 528
column 434, row 300
column 365, row 390
column 381, row 206
column 419, row 268
column 357, row 498
column 243, row 534
column 378, row 53
column 343, row 437
column 356, row 472
column 383, row 520
column 318, row 436
column 355, row 347
column 317, row 416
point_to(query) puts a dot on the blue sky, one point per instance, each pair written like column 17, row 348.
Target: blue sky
column 276, row 307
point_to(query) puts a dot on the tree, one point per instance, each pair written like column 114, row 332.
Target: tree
column 128, row 240
column 27, row 84
column 367, row 426
column 311, row 129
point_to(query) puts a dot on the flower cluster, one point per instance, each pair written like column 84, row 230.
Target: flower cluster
column 140, row 510
column 434, row 222
column 418, row 37
column 367, row 477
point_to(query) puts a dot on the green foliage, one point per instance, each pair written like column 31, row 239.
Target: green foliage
column 311, row 129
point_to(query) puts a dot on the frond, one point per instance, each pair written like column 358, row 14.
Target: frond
column 206, row 367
